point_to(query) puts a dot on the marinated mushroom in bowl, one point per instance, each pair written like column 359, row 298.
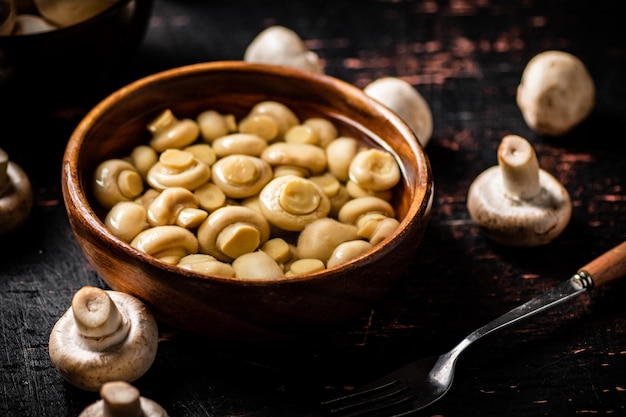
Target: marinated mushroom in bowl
column 198, row 279
column 272, row 191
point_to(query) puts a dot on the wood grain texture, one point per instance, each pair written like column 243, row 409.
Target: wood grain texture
column 466, row 59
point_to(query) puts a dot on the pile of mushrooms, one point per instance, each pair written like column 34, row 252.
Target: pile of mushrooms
column 224, row 196
column 516, row 202
column 104, row 336
column 16, row 195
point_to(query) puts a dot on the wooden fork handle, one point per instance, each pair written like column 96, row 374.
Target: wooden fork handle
column 607, row 267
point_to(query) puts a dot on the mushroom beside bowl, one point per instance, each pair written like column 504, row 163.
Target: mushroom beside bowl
column 227, row 307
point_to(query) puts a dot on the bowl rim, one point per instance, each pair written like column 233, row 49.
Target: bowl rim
column 75, row 196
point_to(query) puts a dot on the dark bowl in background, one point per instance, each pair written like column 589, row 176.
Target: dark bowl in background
column 72, row 66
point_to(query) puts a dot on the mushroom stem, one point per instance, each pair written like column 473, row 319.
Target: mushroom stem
column 98, row 321
column 238, row 238
column 520, row 168
column 120, row 399
column 231, row 231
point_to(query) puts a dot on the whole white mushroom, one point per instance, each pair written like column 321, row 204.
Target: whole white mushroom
column 556, row 93
column 516, row 203
column 279, row 45
column 104, row 336
column 406, row 102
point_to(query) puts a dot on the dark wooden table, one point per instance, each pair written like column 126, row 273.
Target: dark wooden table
column 466, row 58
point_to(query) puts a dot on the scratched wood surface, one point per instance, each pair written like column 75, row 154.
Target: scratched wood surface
column 466, row 58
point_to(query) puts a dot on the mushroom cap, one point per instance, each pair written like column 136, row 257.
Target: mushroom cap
column 241, row 176
column 228, row 228
column 257, row 265
column 319, row 239
column 556, row 92
column 290, row 202
column 126, row 361
column 116, row 180
column 279, row 45
column 168, row 243
column 126, row 220
column 166, row 207
column 406, row 102
column 303, row 155
column 339, row 155
column 347, row 251
column 516, row 221
column 177, row 168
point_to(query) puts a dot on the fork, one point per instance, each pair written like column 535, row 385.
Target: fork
column 421, row 383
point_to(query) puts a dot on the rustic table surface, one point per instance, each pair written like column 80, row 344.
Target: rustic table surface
column 466, row 59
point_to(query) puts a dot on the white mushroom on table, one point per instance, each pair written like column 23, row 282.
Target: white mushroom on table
column 555, row 93
column 279, row 45
column 517, row 203
column 104, row 336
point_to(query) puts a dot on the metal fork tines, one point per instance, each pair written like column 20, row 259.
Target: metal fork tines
column 367, row 401
column 399, row 393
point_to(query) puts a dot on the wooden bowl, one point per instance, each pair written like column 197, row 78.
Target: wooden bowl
column 231, row 308
column 71, row 66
